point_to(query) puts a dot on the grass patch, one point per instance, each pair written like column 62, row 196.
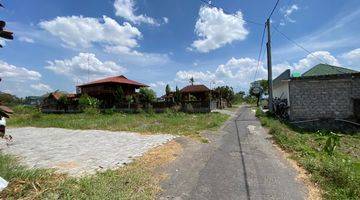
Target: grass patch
column 137, row 180
column 338, row 174
column 176, row 123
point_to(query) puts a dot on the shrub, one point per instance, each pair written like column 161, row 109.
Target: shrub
column 110, row 111
column 147, row 96
column 85, row 101
column 24, row 109
column 91, row 111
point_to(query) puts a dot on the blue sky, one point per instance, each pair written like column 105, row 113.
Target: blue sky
column 59, row 44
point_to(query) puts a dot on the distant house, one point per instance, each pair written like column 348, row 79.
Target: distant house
column 195, row 93
column 105, row 89
column 51, row 103
column 324, row 91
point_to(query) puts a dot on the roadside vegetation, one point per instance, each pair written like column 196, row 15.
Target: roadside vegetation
column 138, row 180
column 176, row 123
column 332, row 159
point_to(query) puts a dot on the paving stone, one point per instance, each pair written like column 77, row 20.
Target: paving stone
column 78, row 152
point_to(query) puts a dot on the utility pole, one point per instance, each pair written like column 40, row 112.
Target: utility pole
column 269, row 63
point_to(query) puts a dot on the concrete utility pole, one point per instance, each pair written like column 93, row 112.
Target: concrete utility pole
column 269, row 63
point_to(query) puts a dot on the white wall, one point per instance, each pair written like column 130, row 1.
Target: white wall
column 281, row 90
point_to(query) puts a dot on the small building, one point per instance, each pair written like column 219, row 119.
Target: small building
column 199, row 93
column 323, row 92
column 52, row 104
column 105, row 89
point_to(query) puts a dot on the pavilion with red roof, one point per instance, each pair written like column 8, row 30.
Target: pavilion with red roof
column 104, row 89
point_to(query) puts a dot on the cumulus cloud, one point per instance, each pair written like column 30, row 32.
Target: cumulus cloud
column 237, row 73
column 126, row 9
column 83, row 32
column 185, row 76
column 314, row 59
column 26, row 39
column 41, row 87
column 287, row 12
column 215, row 29
column 84, row 66
column 17, row 80
column 352, row 58
column 18, row 74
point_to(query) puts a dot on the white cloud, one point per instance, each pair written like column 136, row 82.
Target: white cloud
column 17, row 80
column 2, row 42
column 352, row 58
column 216, row 29
column 26, row 39
column 83, row 32
column 18, row 74
column 198, row 76
column 237, row 73
column 315, row 58
column 166, row 20
column 287, row 12
column 41, row 87
column 126, row 9
column 84, row 66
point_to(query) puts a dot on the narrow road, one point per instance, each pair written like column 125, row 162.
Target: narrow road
column 239, row 163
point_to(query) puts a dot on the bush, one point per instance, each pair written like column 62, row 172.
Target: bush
column 85, row 101
column 189, row 108
column 150, row 110
column 24, row 109
column 91, row 111
column 147, row 96
column 337, row 173
column 110, row 111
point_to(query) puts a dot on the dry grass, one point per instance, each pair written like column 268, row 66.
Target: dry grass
column 138, row 180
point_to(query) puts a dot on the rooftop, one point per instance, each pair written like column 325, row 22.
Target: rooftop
column 195, row 88
column 116, row 79
column 325, row 69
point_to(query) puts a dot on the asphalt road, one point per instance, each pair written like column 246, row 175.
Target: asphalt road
column 240, row 162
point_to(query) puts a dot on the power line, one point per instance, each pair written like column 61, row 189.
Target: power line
column 273, row 10
column 228, row 13
column 261, row 48
column 298, row 45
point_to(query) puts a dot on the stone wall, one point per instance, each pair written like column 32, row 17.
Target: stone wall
column 356, row 88
column 325, row 98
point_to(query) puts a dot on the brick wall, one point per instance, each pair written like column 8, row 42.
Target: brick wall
column 311, row 99
column 356, row 88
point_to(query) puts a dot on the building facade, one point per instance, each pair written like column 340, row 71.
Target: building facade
column 319, row 95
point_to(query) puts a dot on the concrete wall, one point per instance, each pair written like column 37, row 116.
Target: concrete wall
column 281, row 90
column 326, row 98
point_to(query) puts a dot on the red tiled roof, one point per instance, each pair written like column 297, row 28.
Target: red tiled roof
column 57, row 95
column 115, row 79
column 195, row 88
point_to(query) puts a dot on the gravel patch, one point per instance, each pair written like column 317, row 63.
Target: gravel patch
column 78, row 152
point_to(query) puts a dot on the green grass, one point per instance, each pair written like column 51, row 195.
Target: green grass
column 134, row 181
column 338, row 175
column 176, row 123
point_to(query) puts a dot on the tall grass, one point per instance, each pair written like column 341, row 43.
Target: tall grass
column 338, row 173
column 176, row 123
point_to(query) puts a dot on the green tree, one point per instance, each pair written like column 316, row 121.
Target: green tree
column 85, row 101
column 256, row 90
column 177, row 95
column 63, row 102
column 119, row 95
column 167, row 89
column 192, row 81
column 146, row 96
column 129, row 100
column 265, row 86
column 225, row 92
